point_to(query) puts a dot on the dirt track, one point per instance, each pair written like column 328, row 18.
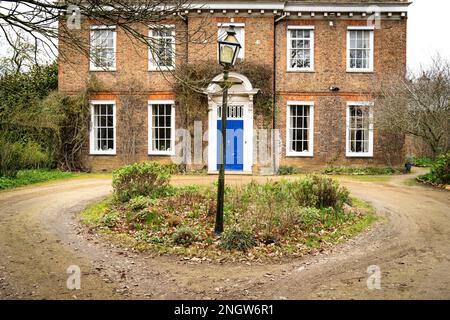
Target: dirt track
column 40, row 239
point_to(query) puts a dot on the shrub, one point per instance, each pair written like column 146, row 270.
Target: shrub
column 139, row 203
column 141, row 179
column 237, row 240
column 319, row 192
column 183, row 236
column 440, row 171
column 286, row 171
column 110, row 219
column 17, row 155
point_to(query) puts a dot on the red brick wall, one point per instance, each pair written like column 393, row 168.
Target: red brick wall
column 330, row 70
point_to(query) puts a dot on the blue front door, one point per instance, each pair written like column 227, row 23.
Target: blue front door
column 234, row 157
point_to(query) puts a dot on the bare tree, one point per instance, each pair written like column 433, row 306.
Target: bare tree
column 418, row 106
column 130, row 115
column 47, row 21
column 22, row 57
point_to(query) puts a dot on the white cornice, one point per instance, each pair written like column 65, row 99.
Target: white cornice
column 296, row 7
column 400, row 7
column 243, row 5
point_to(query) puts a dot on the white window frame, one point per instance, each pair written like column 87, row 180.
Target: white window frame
column 371, row 29
column 310, row 152
column 151, row 103
column 92, row 66
column 153, row 66
column 241, row 41
column 92, row 141
column 289, row 47
column 348, row 151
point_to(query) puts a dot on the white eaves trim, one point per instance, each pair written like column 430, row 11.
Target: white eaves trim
column 394, row 8
column 226, row 5
column 294, row 7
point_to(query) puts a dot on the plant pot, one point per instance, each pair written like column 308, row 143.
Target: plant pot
column 408, row 167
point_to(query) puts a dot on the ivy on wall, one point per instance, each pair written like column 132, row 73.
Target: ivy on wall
column 193, row 79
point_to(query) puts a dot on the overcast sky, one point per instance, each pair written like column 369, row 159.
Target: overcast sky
column 428, row 32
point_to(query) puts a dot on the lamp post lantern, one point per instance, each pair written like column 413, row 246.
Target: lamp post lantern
column 229, row 49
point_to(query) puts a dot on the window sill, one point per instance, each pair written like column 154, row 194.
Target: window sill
column 359, row 155
column 102, row 70
column 300, row 155
column 97, row 153
column 163, row 69
column 161, row 153
column 360, row 71
column 301, row 71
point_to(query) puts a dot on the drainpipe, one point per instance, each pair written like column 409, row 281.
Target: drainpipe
column 274, row 98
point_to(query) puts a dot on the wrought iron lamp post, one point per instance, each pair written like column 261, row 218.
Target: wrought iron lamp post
column 229, row 49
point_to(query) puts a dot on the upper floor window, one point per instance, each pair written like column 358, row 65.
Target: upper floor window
column 161, row 133
column 162, row 47
column 360, row 49
column 359, row 129
column 239, row 28
column 300, row 48
column 103, row 127
column 103, row 48
column 300, row 129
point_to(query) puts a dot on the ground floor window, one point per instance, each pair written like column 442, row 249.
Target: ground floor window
column 359, row 130
column 103, row 127
column 161, row 127
column 299, row 129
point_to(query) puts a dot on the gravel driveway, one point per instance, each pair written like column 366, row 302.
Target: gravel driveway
column 40, row 239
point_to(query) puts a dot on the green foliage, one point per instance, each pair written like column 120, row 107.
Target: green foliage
column 26, row 129
column 237, row 240
column 275, row 209
column 110, row 219
column 193, row 78
column 424, row 162
column 440, row 171
column 279, row 218
column 141, row 179
column 183, row 236
column 20, row 155
column 26, row 177
column 33, row 113
column 362, row 171
column 319, row 192
column 286, row 171
column 139, row 203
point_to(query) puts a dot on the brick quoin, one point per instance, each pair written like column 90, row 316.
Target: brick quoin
column 330, row 45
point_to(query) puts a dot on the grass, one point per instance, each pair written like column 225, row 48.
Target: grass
column 271, row 220
column 362, row 178
column 93, row 214
column 424, row 162
column 363, row 171
column 27, row 177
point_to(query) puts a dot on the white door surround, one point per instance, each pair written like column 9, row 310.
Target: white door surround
column 239, row 94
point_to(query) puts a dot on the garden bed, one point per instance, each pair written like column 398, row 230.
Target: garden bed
column 273, row 220
column 363, row 171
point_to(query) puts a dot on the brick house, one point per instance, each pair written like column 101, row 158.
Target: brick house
column 324, row 57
